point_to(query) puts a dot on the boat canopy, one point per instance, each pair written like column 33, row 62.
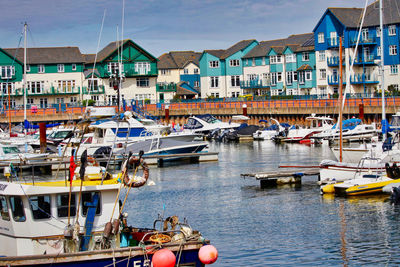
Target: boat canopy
column 349, row 124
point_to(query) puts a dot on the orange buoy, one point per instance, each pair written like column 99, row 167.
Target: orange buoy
column 164, row 258
column 208, row 254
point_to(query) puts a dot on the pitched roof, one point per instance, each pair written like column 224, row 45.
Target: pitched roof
column 178, row 59
column 216, row 53
column 264, row 47
column 304, row 67
column 236, row 47
column 183, row 88
column 48, row 55
column 89, row 58
column 391, row 13
column 350, row 17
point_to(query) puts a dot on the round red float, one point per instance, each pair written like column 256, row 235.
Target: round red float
column 208, row 254
column 164, row 258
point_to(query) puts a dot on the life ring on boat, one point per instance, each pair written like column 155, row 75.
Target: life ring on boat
column 135, row 181
column 92, row 161
column 160, row 238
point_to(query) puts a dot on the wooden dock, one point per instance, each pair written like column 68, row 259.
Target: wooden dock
column 273, row 178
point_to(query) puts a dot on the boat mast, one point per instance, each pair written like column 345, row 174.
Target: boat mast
column 382, row 70
column 24, row 78
column 340, row 100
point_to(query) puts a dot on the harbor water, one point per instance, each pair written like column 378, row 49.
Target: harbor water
column 285, row 225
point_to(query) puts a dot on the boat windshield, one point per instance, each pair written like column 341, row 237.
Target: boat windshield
column 11, row 150
column 59, row 134
column 209, row 119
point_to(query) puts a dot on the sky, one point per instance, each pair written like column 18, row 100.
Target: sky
column 158, row 26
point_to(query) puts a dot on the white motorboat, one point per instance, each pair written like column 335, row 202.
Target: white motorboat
column 269, row 132
column 207, row 123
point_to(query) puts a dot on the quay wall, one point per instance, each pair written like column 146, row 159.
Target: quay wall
column 292, row 111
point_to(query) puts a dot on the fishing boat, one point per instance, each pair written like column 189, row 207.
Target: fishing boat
column 81, row 222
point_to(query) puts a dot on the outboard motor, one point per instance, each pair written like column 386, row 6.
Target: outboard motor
column 395, row 196
column 396, row 171
column 389, row 170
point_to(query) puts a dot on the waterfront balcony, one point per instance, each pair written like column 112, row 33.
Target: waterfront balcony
column 334, row 79
column 96, row 90
column 45, row 91
column 363, row 78
column 166, row 87
column 332, row 42
column 254, row 84
column 362, row 60
column 334, row 61
column 367, row 40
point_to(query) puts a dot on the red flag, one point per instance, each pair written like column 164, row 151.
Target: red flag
column 72, row 167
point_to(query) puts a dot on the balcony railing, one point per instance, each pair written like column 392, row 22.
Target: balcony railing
column 96, row 90
column 365, row 60
column 332, row 42
column 166, row 87
column 372, row 40
column 254, row 84
column 362, row 78
column 334, row 79
column 44, row 91
column 334, row 61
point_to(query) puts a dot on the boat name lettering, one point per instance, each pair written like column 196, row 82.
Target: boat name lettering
column 146, row 263
column 3, row 187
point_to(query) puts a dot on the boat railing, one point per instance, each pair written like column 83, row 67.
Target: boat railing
column 149, row 234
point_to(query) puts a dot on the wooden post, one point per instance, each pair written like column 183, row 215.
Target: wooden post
column 42, row 131
column 167, row 114
column 361, row 111
column 244, row 109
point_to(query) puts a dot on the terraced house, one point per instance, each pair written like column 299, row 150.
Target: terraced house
column 54, row 75
column 126, row 59
column 178, row 75
column 364, row 78
column 282, row 66
column 221, row 70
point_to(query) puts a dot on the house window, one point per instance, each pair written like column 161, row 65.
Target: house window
column 30, row 101
column 35, row 87
column 66, row 86
column 252, row 77
column 43, row 102
column 235, row 81
column 364, row 34
column 214, row 82
column 165, row 72
column 5, row 215
column 142, row 82
column 301, row 77
column 142, row 68
column 7, row 72
column 95, row 98
column 289, row 77
column 41, row 69
column 216, row 95
column 394, row 69
column 254, row 61
column 379, row 51
column 196, row 71
column 263, row 60
column 93, row 85
column 63, row 203
column 234, row 62
column 308, row 76
column 60, row 67
column 321, row 56
column 322, row 74
column 113, row 67
column 17, row 208
column 60, row 100
column 392, row 30
column 378, row 31
column 73, row 99
column 185, row 71
column 275, row 59
column 28, row 68
column 40, row 207
column 214, row 64
column 321, row 38
column 73, row 66
column 334, row 39
column 276, row 77
column 306, row 56
column 196, row 84
column 7, row 88
column 290, row 58
column 235, row 94
column 392, row 50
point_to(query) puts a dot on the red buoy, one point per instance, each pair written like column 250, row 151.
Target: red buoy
column 164, row 258
column 208, row 254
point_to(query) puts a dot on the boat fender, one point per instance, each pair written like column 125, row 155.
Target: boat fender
column 92, row 161
column 77, row 229
column 137, row 181
column 107, row 230
column 115, row 226
column 68, row 232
